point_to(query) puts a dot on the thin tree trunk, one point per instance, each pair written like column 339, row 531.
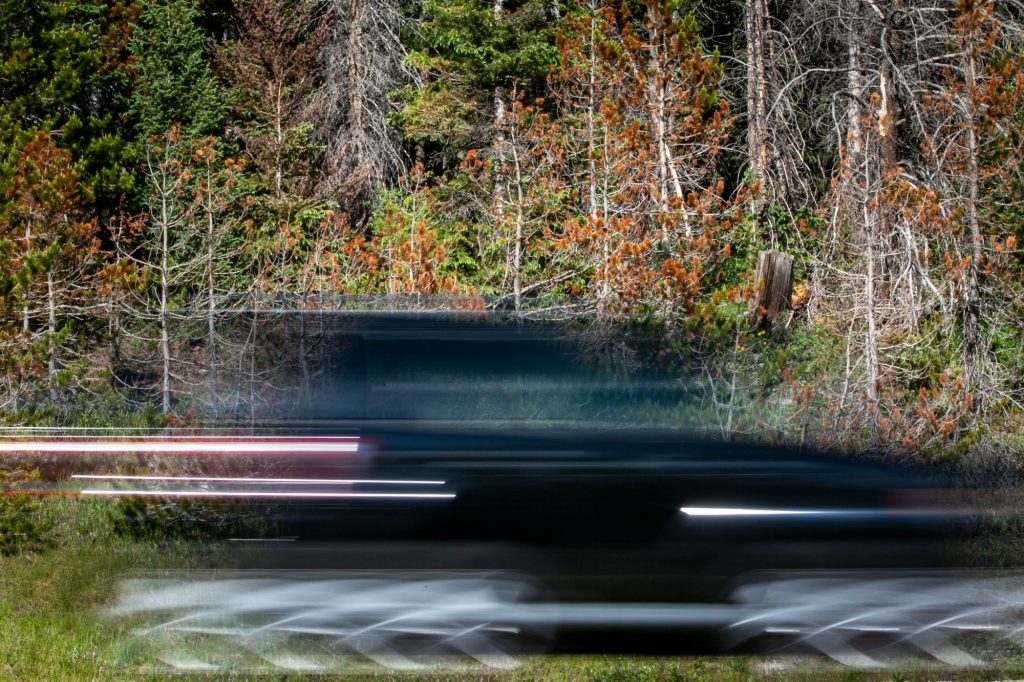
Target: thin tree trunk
column 656, row 104
column 500, row 144
column 412, row 249
column 115, row 310
column 847, row 375
column 972, row 304
column 890, row 113
column 355, row 81
column 252, row 369
column 278, row 141
column 591, row 113
column 51, row 327
column 211, row 294
column 854, row 85
column 517, row 252
column 757, row 110
column 165, row 343
column 605, row 217
column 24, row 295
column 870, row 342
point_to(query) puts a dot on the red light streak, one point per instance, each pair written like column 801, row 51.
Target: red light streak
column 259, row 481
column 253, row 446
column 277, row 494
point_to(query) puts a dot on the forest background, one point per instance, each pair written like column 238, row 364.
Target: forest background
column 167, row 165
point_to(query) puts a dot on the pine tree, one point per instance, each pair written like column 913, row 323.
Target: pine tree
column 62, row 69
column 274, row 66
column 54, row 253
column 469, row 53
column 174, row 84
column 644, row 128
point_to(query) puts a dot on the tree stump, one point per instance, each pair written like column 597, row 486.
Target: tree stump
column 773, row 282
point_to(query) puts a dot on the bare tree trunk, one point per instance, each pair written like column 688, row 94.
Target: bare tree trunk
column 278, row 141
column 757, row 109
column 972, row 302
column 251, row 345
column 355, row 94
column 24, row 295
column 211, row 311
column 165, row 342
column 413, row 258
column 500, row 143
column 656, row 104
column 734, row 371
column 890, row 113
column 591, row 114
column 870, row 340
column 517, row 248
column 51, row 328
column 606, row 288
column 854, row 85
column 114, row 306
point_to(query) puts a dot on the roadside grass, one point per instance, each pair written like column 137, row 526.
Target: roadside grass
column 51, row 627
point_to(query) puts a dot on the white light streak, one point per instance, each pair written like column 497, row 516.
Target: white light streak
column 260, row 481
column 248, row 446
column 263, row 493
column 741, row 511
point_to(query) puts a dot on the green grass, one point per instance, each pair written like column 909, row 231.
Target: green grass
column 51, row 626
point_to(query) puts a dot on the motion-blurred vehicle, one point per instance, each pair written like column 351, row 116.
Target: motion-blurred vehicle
column 625, row 538
column 462, row 486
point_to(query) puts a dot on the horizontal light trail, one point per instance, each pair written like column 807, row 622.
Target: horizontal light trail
column 184, row 446
column 170, row 437
column 260, row 481
column 741, row 511
column 80, row 432
column 262, row 493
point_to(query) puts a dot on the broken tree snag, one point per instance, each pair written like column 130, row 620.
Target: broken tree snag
column 773, row 284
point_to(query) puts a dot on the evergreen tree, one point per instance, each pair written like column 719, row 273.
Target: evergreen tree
column 274, row 66
column 62, row 70
column 470, row 52
column 174, row 83
column 54, row 253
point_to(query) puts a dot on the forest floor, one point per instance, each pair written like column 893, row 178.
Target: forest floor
column 51, row 626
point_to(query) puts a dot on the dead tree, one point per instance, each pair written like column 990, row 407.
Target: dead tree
column 365, row 65
column 773, row 280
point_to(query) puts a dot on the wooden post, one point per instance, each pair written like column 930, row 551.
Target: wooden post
column 773, row 282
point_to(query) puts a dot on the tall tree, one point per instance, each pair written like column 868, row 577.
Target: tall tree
column 219, row 214
column 57, row 258
column 975, row 148
column 274, row 66
column 184, row 257
column 647, row 126
column 174, row 84
column 365, row 65
column 62, row 69
column 514, row 250
column 467, row 52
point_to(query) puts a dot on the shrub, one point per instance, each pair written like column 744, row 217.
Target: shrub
column 24, row 525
